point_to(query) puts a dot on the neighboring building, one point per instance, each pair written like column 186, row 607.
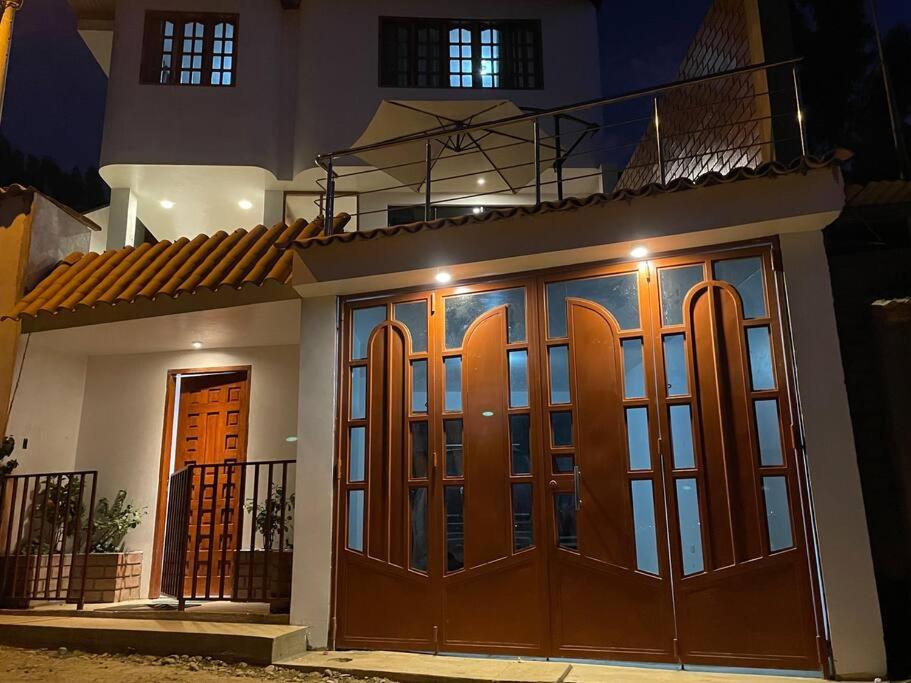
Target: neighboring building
column 611, row 426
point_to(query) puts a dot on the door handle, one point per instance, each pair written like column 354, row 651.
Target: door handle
column 577, row 486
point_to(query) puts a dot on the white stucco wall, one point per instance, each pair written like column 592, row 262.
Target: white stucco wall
column 844, row 544
column 123, row 415
column 307, row 80
column 312, row 573
column 47, row 409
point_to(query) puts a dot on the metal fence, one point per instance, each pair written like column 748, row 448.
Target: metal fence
column 739, row 118
column 229, row 533
column 46, row 523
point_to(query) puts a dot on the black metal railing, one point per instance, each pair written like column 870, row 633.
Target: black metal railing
column 739, row 118
column 229, row 533
column 46, row 523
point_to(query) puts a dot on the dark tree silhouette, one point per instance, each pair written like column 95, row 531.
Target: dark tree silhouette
column 81, row 190
column 843, row 87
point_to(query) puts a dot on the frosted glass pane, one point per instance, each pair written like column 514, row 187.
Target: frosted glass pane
column 644, row 522
column 761, row 371
column 746, row 276
column 356, row 454
column 419, row 386
column 619, row 294
column 675, row 285
column 464, row 309
column 565, row 512
column 769, row 434
column 356, row 520
column 413, row 315
column 778, row 513
column 364, row 320
column 419, row 459
column 690, row 526
column 453, row 500
column 561, row 429
column 675, row 365
column 633, row 371
column 453, row 432
column 358, row 393
column 682, row 437
column 522, row 520
column 559, row 374
column 418, row 553
column 640, row 456
column 453, row 383
column 520, row 436
column 518, row 379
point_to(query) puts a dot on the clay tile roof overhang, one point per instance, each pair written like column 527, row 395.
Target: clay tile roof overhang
column 768, row 170
column 168, row 277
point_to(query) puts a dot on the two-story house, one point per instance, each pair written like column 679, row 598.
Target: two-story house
column 507, row 366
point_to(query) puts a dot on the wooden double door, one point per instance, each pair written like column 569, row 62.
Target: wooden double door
column 598, row 463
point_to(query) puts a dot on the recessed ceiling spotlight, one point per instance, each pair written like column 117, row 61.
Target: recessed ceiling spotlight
column 639, row 252
column 443, row 277
column 196, row 345
column 482, row 181
column 166, row 204
column 245, row 204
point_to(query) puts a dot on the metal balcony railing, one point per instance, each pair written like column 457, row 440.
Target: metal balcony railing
column 46, row 524
column 229, row 533
column 739, row 118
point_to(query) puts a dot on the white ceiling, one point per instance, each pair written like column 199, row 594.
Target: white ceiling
column 269, row 324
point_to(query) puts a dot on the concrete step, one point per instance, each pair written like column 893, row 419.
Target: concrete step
column 252, row 643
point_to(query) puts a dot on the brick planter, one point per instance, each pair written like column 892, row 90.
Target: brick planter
column 278, row 591
column 110, row 577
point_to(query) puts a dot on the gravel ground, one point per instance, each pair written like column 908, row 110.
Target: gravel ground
column 76, row 667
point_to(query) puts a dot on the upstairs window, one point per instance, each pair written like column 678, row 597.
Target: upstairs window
column 454, row 53
column 182, row 48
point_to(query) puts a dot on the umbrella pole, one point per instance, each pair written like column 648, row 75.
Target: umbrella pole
column 429, row 169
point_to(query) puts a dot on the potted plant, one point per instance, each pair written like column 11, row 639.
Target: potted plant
column 273, row 520
column 113, row 574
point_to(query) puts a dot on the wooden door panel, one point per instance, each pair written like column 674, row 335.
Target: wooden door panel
column 749, row 605
column 494, row 602
column 212, row 431
column 602, row 604
column 381, row 601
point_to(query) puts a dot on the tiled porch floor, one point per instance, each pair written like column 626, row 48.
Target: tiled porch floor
column 163, row 609
column 419, row 668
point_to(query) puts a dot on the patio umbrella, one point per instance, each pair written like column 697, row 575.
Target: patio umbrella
column 502, row 156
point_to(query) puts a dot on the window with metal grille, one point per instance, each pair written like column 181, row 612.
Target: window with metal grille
column 194, row 49
column 456, row 53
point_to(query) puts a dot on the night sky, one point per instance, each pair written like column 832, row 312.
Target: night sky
column 55, row 95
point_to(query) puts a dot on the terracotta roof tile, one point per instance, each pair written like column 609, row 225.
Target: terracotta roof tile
column 166, row 269
column 768, row 170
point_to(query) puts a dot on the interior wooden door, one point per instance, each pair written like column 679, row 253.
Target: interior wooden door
column 610, row 588
column 385, row 597
column 743, row 579
column 494, row 562
column 212, row 430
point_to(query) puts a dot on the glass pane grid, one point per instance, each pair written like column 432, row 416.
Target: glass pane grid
column 461, row 64
column 223, row 54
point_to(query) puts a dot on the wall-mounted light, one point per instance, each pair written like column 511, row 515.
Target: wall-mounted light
column 477, row 210
column 639, row 252
column 245, row 204
column 196, row 345
column 443, row 277
column 166, row 204
column 291, row 439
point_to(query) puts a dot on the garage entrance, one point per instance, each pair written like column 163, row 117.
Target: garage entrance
column 597, row 463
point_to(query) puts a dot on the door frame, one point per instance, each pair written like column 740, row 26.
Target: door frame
column 535, row 281
column 164, row 467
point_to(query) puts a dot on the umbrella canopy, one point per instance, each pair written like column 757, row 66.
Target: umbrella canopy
column 502, row 156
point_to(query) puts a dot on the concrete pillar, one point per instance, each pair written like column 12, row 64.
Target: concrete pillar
column 856, row 629
column 122, row 224
column 273, row 207
column 312, row 572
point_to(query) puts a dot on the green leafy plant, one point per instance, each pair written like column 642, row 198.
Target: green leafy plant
column 7, row 445
column 270, row 519
column 55, row 502
column 112, row 521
